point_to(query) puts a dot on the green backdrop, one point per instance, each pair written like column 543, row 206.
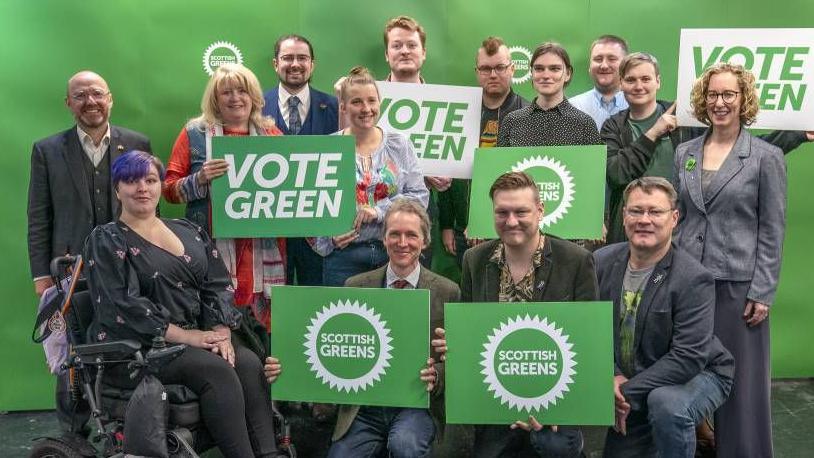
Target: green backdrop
column 151, row 54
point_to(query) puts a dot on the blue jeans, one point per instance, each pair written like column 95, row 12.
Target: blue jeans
column 667, row 427
column 354, row 259
column 403, row 432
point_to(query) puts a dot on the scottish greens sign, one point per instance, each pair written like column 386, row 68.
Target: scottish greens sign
column 509, row 361
column 441, row 123
column 571, row 181
column 782, row 61
column 284, row 186
column 351, row 345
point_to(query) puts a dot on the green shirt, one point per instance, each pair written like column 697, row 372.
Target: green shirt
column 661, row 165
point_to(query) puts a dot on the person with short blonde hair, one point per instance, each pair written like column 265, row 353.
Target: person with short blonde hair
column 232, row 105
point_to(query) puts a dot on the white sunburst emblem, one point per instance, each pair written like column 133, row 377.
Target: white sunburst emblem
column 566, row 180
column 521, row 58
column 382, row 360
column 566, row 373
column 219, row 53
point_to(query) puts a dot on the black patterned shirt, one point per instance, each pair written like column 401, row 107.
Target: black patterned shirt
column 561, row 125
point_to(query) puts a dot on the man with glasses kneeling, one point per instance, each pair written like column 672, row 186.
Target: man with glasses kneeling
column 670, row 370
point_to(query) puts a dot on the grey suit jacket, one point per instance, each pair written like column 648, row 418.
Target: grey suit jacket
column 567, row 273
column 673, row 339
column 736, row 229
column 442, row 291
column 60, row 215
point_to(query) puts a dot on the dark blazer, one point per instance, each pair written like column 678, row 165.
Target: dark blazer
column 629, row 159
column 566, row 275
column 442, row 291
column 60, row 214
column 735, row 230
column 323, row 113
column 673, row 340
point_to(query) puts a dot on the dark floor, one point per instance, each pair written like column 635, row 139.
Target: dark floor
column 792, row 412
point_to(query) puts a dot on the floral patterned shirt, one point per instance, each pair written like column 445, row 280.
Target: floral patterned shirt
column 523, row 291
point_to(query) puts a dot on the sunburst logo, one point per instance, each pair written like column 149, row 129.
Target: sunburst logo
column 219, row 53
column 521, row 58
column 348, row 346
column 528, row 363
column 555, row 183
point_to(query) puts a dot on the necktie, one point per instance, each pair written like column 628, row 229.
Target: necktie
column 399, row 284
column 294, row 121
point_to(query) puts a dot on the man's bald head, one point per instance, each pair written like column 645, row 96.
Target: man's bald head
column 89, row 99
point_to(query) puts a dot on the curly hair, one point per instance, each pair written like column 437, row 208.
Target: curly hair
column 748, row 92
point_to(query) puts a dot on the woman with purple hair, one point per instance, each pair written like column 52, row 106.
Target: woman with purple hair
column 154, row 277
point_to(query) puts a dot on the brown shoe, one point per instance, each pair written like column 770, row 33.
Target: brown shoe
column 705, row 440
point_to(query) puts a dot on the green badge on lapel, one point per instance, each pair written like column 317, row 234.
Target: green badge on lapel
column 690, row 164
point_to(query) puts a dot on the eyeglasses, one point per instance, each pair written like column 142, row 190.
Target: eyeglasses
column 486, row 70
column 653, row 213
column 96, row 94
column 290, row 58
column 727, row 96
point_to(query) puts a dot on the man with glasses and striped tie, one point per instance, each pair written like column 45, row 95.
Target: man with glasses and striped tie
column 299, row 109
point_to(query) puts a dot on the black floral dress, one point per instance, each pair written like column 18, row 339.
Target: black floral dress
column 138, row 289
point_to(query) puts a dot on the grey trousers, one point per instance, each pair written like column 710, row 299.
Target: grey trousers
column 743, row 424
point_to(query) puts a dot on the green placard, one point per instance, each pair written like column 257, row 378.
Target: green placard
column 351, row 345
column 284, row 186
column 571, row 180
column 509, row 361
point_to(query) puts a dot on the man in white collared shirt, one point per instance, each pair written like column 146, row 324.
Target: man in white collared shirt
column 370, row 430
column 299, row 109
column 70, row 191
column 605, row 99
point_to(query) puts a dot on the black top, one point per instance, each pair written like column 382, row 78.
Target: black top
column 561, row 125
column 138, row 288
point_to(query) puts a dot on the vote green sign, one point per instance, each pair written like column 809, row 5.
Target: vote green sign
column 781, row 61
column 571, row 181
column 508, row 361
column 284, row 186
column 351, row 345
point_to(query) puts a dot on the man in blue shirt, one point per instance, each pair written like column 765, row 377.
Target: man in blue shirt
column 605, row 99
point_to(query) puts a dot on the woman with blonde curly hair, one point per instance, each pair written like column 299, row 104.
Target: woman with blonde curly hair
column 232, row 105
column 732, row 206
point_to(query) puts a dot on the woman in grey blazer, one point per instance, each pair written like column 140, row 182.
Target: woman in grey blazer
column 732, row 204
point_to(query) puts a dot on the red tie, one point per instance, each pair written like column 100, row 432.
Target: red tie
column 399, row 284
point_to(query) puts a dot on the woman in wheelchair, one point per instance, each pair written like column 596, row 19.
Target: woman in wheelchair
column 150, row 277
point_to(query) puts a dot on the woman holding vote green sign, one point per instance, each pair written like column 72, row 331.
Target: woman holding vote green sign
column 232, row 104
column 386, row 169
